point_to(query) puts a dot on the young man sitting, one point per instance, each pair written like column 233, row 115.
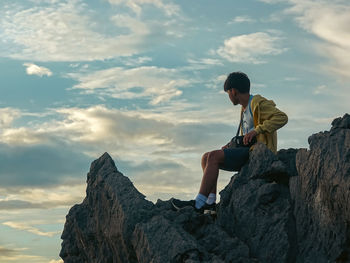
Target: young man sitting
column 260, row 119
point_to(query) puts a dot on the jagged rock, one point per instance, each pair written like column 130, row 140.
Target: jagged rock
column 321, row 195
column 100, row 229
column 257, row 209
column 289, row 207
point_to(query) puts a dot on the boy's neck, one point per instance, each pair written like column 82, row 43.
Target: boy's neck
column 245, row 100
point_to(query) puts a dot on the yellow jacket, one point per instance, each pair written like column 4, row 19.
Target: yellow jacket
column 267, row 120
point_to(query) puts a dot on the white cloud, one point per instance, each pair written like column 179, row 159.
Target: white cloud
column 217, row 83
column 203, row 63
column 33, row 69
column 30, row 229
column 135, row 61
column 151, row 146
column 178, row 127
column 44, row 198
column 101, row 125
column 158, row 84
column 9, row 254
column 98, row 125
column 273, row 1
column 250, row 48
column 329, row 21
column 136, row 5
column 69, row 31
column 22, row 136
column 7, row 116
column 154, row 146
column 242, row 19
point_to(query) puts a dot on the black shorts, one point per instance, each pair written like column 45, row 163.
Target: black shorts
column 235, row 158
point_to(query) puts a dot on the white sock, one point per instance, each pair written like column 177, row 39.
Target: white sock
column 211, row 199
column 200, row 200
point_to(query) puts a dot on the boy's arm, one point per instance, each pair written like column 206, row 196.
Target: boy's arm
column 272, row 118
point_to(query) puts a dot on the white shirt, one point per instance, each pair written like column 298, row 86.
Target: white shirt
column 248, row 121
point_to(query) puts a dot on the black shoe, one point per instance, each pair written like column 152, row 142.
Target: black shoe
column 178, row 204
column 209, row 209
column 206, row 209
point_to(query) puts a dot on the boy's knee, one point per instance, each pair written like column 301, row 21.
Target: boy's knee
column 205, row 157
column 215, row 156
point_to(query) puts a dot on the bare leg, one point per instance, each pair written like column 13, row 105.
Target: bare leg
column 204, row 161
column 211, row 171
column 204, row 165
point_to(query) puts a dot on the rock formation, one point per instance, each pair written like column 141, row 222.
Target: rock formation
column 289, row 207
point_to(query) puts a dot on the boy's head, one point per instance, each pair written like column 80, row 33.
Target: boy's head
column 239, row 81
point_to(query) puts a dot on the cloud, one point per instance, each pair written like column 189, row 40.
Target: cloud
column 148, row 145
column 61, row 32
column 155, row 177
column 7, row 116
column 41, row 164
column 33, row 197
column 203, row 63
column 320, row 90
column 30, row 229
column 24, row 258
column 6, row 251
column 92, row 126
column 273, row 1
column 144, row 132
column 158, row 84
column 168, row 8
column 17, row 205
column 69, row 31
column 217, row 83
column 329, row 21
column 33, row 69
column 242, row 19
column 133, row 62
column 15, row 255
column 250, row 48
column 160, row 145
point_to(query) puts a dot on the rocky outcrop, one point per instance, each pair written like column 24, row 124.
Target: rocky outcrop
column 289, row 207
column 321, row 195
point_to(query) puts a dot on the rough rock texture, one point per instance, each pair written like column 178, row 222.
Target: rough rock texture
column 289, row 207
column 321, row 195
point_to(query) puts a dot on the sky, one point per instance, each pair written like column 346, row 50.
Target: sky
column 143, row 81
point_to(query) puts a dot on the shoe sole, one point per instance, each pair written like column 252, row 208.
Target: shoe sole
column 209, row 212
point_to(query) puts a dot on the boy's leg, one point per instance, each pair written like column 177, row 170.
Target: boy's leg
column 204, row 165
column 210, row 165
column 204, row 160
column 211, row 171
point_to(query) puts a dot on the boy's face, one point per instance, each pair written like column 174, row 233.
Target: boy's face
column 232, row 93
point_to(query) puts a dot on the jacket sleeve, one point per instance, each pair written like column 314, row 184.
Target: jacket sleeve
column 271, row 118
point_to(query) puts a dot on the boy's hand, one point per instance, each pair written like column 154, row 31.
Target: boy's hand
column 249, row 137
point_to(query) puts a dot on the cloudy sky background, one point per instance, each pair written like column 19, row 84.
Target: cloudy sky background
column 143, row 81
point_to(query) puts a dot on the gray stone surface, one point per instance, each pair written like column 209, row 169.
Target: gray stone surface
column 257, row 209
column 321, row 195
column 289, row 207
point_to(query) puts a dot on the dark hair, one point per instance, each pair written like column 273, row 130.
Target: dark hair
column 239, row 81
